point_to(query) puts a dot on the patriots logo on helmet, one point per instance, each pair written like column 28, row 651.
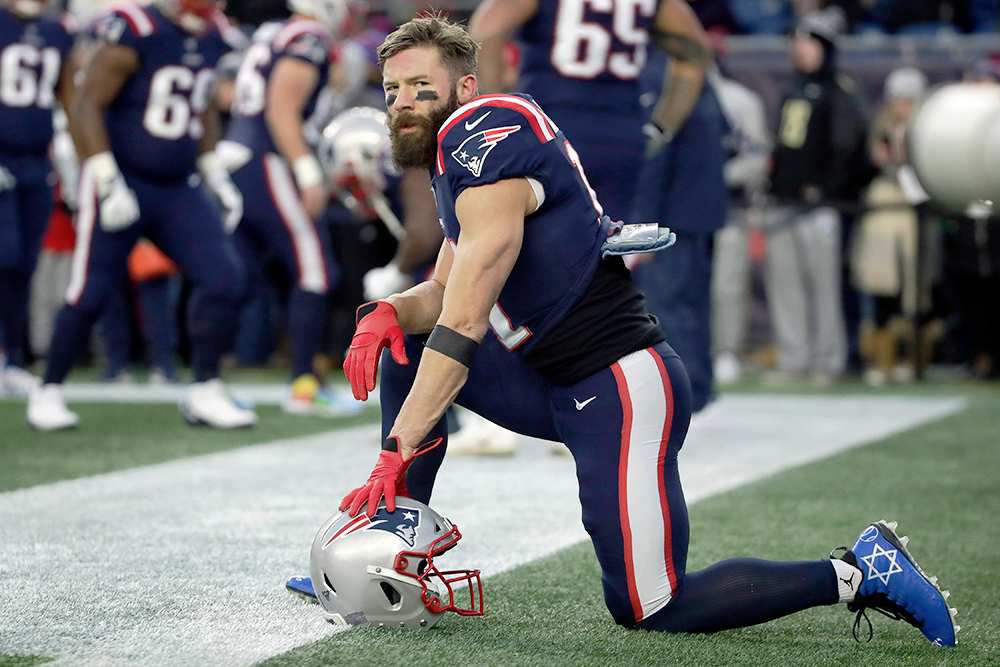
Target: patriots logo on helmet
column 473, row 151
column 402, row 523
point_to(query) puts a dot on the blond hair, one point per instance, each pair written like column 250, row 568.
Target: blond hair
column 456, row 48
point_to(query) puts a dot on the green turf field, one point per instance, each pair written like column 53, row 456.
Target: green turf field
column 939, row 481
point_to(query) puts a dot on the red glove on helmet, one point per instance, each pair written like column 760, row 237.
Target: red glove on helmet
column 388, row 479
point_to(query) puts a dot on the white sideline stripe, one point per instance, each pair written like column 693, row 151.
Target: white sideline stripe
column 127, row 392
column 183, row 563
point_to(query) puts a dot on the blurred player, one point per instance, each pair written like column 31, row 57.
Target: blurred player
column 279, row 81
column 383, row 222
column 35, row 75
column 145, row 125
column 575, row 357
column 581, row 62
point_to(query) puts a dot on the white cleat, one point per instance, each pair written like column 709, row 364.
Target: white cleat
column 47, row 411
column 17, row 381
column 208, row 403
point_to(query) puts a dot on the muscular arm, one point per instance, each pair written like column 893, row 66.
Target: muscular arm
column 678, row 32
column 65, row 88
column 291, row 84
column 110, row 67
column 492, row 24
column 492, row 219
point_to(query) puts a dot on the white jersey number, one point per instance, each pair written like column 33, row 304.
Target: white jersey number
column 177, row 99
column 251, row 88
column 29, row 76
column 582, row 49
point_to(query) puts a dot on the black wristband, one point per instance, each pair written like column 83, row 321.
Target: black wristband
column 452, row 344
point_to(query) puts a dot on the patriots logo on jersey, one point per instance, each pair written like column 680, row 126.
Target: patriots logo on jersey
column 473, row 151
column 402, row 523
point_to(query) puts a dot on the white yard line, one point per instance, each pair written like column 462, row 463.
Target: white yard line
column 129, row 392
column 183, row 563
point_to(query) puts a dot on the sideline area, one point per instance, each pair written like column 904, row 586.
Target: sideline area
column 183, row 563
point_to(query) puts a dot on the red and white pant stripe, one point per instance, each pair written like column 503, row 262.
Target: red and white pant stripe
column 647, row 401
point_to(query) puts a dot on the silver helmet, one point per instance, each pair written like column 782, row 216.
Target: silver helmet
column 381, row 570
column 331, row 13
column 354, row 151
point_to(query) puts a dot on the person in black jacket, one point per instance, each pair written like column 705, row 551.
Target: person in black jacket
column 820, row 165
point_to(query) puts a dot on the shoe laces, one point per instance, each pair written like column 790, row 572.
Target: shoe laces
column 879, row 602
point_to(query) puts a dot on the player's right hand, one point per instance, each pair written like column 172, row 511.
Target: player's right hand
column 388, row 479
column 378, row 326
column 119, row 207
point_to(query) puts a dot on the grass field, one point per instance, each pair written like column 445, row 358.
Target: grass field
column 940, row 482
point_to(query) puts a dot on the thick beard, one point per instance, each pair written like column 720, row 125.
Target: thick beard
column 418, row 149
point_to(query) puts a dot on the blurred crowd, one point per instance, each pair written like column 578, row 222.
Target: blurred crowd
column 832, row 261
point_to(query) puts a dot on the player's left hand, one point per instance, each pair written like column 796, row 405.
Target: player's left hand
column 387, row 479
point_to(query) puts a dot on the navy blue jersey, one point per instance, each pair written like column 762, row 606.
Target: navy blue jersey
column 495, row 137
column 31, row 57
column 586, row 52
column 305, row 40
column 155, row 122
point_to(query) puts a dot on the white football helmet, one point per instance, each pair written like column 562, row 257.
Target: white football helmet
column 381, row 571
column 331, row 13
column 355, row 152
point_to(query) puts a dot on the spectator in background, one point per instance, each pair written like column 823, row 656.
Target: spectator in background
column 748, row 144
column 921, row 15
column 820, row 162
column 884, row 250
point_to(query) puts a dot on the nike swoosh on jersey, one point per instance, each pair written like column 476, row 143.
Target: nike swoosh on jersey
column 473, row 124
column 581, row 406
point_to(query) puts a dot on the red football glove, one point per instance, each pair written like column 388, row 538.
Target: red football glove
column 378, row 326
column 388, row 479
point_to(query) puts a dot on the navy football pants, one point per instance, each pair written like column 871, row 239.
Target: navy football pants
column 180, row 220
column 275, row 225
column 624, row 426
column 24, row 217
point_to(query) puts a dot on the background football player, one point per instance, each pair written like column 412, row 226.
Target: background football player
column 144, row 123
column 35, row 76
column 277, row 87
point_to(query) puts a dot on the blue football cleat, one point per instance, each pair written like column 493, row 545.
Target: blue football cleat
column 302, row 589
column 895, row 586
